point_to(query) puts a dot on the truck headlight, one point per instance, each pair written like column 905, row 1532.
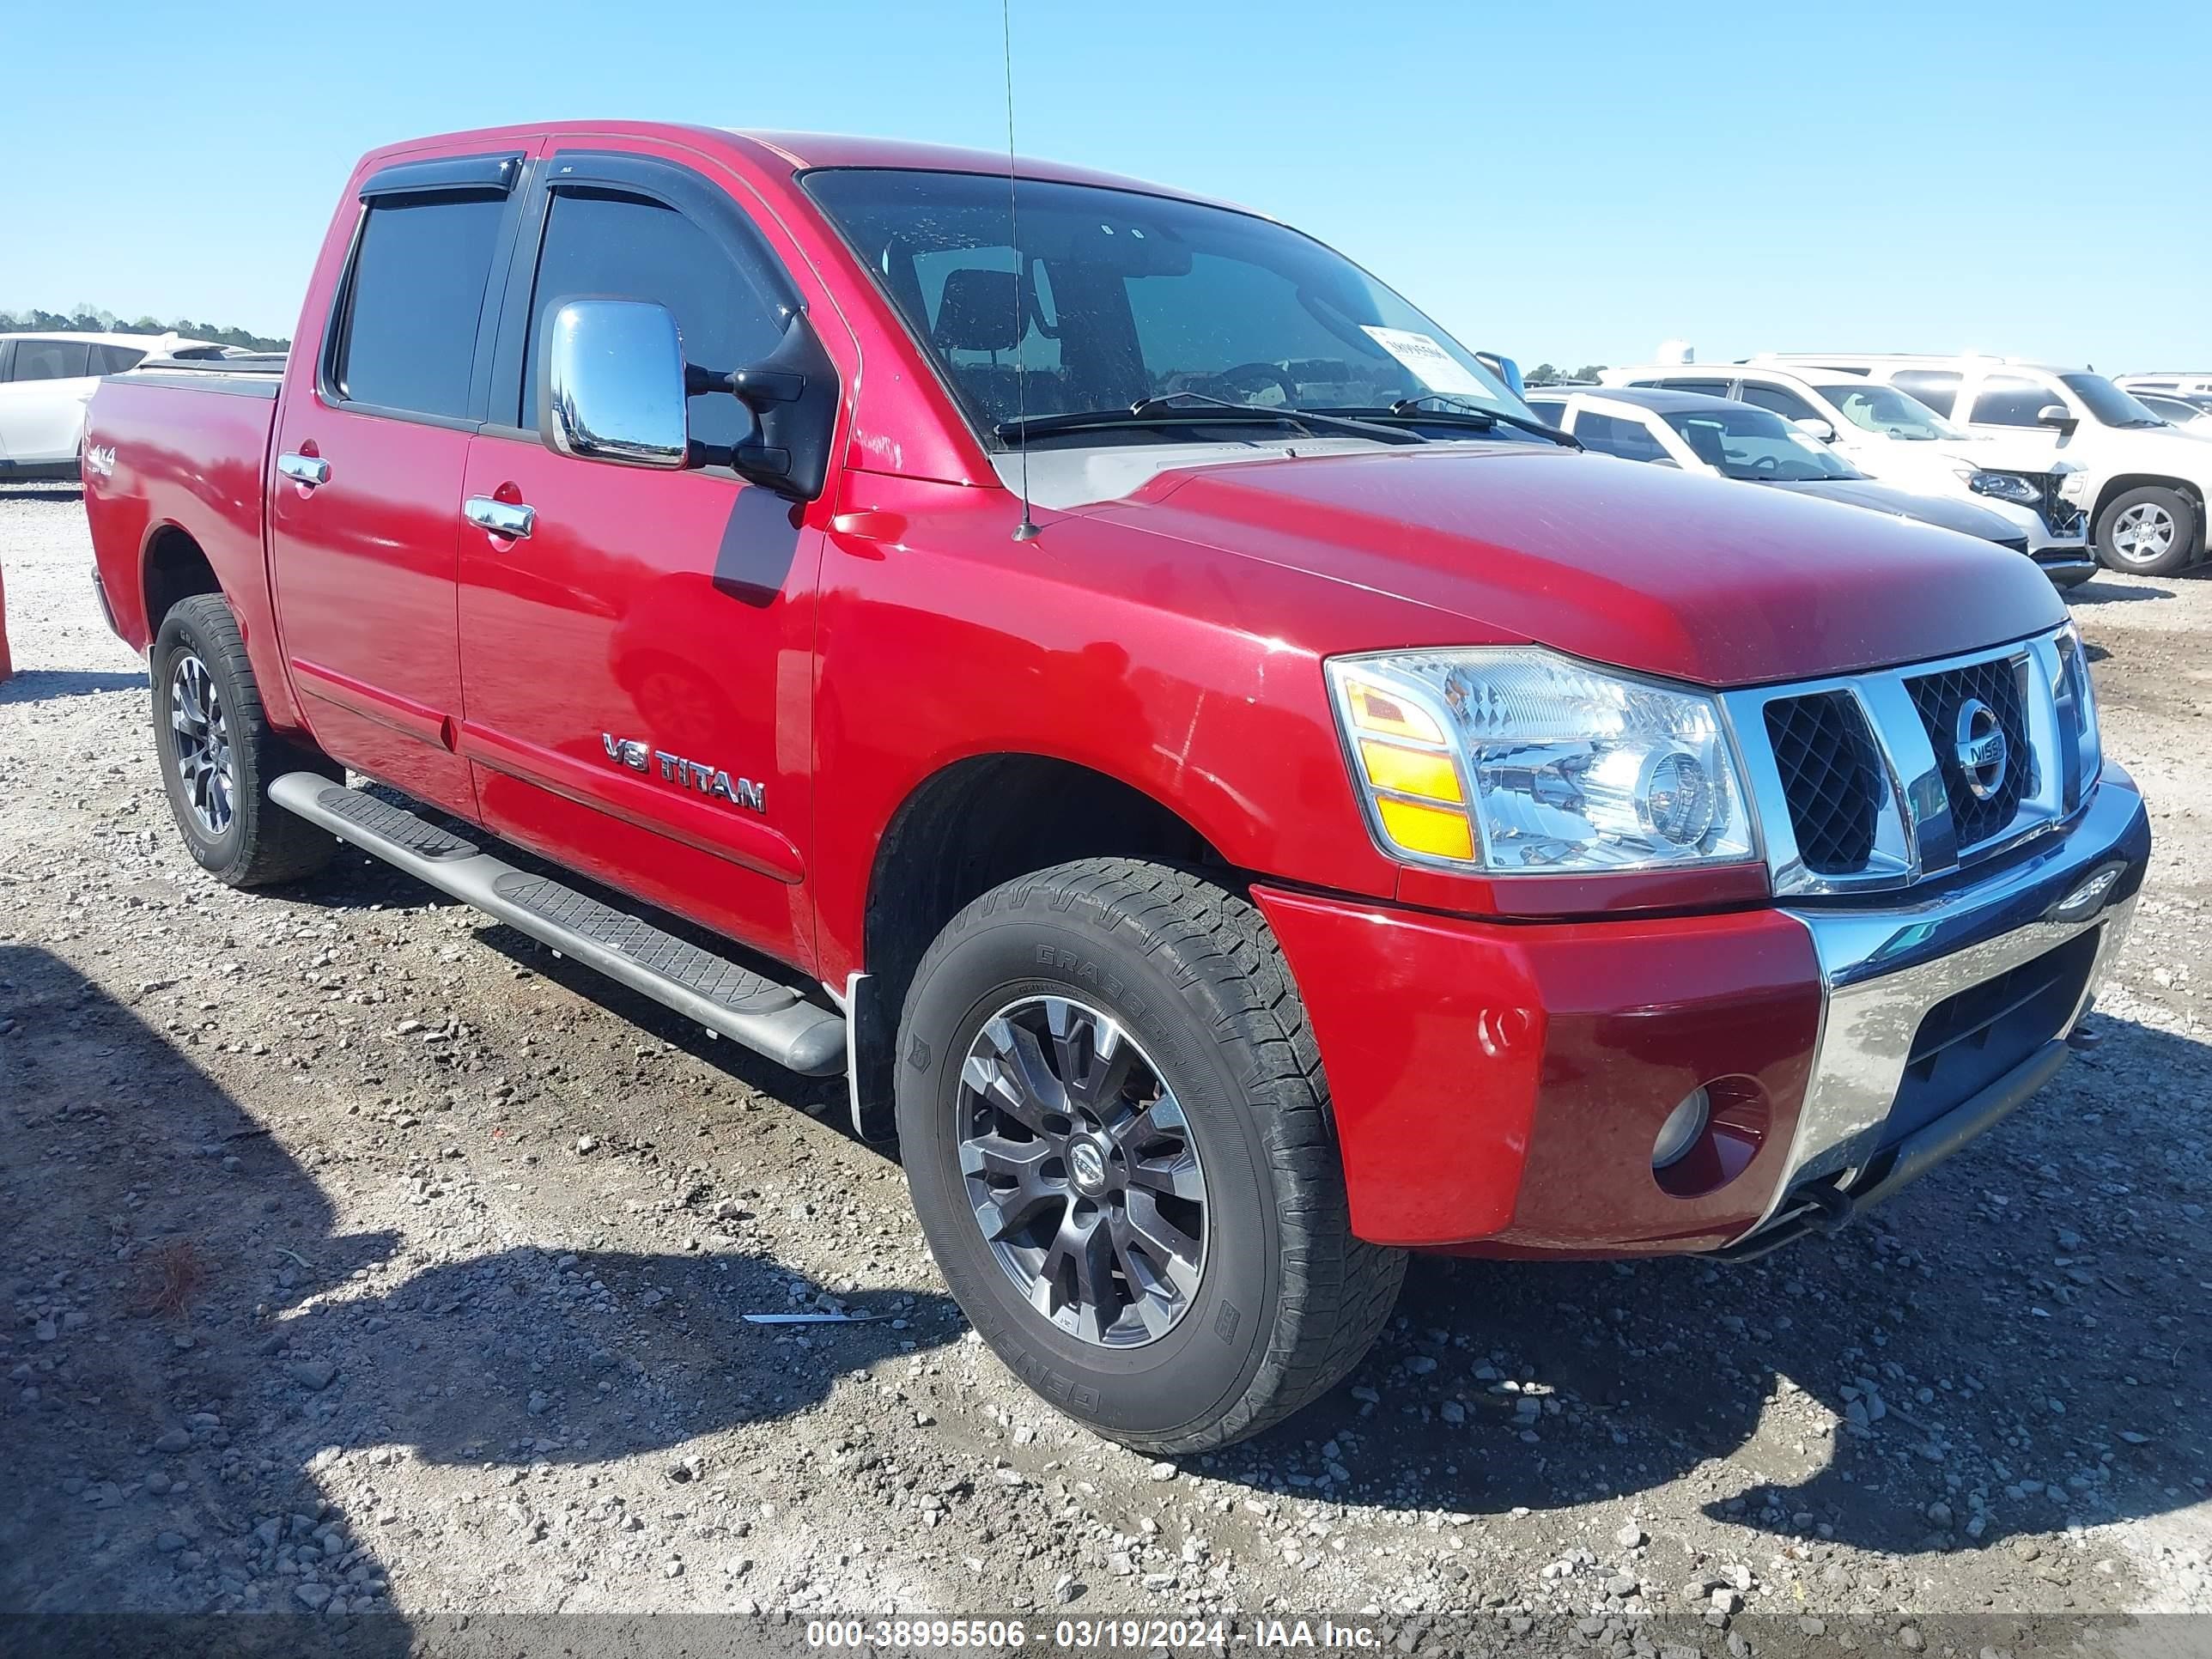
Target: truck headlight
column 1517, row 760
column 2004, row 487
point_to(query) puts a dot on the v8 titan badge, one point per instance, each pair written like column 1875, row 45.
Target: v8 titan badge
column 710, row 781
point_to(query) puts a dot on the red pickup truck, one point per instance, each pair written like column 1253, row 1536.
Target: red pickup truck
column 1237, row 794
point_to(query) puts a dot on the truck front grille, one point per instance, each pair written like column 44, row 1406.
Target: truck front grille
column 1861, row 781
column 1830, row 776
column 1941, row 699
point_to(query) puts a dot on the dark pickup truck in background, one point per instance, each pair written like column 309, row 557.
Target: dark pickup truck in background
column 1237, row 793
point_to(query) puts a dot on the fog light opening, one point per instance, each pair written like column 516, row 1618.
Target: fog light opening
column 1710, row 1136
column 1682, row 1128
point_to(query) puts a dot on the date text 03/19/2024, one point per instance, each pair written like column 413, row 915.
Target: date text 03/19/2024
column 1082, row 1635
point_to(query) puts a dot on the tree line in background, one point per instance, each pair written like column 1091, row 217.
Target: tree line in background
column 1544, row 374
column 95, row 319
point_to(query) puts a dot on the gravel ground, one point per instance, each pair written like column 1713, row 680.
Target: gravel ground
column 361, row 1257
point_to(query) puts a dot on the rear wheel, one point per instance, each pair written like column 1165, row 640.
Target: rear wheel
column 1116, row 1128
column 2147, row 531
column 218, row 754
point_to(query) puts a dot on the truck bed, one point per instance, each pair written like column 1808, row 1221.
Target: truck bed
column 176, row 482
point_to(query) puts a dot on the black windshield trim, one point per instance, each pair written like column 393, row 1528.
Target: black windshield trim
column 1406, row 411
column 1150, row 417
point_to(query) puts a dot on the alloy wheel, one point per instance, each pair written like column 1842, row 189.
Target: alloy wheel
column 205, row 765
column 2143, row 533
column 1082, row 1171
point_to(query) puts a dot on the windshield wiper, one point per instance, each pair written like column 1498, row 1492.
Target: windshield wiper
column 1172, row 409
column 1481, row 415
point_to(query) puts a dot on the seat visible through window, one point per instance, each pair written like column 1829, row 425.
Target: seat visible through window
column 981, row 315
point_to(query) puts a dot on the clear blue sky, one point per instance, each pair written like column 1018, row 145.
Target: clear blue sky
column 1562, row 183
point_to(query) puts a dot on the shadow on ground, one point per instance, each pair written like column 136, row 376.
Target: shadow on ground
column 193, row 1337
column 357, row 879
column 2042, row 1287
column 40, row 684
column 2107, row 589
column 2038, row 1291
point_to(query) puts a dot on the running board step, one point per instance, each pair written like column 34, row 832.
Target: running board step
column 773, row 1018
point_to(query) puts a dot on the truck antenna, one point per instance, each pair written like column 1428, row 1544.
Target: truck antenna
column 1026, row 531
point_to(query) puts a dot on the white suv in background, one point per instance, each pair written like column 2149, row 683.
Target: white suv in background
column 2192, row 412
column 45, row 379
column 2174, row 383
column 2148, row 481
column 1889, row 435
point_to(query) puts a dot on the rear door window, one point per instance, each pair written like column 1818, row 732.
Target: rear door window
column 50, row 359
column 1783, row 401
column 1937, row 387
column 2010, row 400
column 603, row 246
column 115, row 359
column 1612, row 434
column 412, row 305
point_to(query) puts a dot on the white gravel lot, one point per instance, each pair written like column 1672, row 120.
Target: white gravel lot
column 362, row 1259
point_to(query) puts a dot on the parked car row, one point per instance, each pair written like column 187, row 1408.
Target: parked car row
column 2092, row 471
column 1888, row 434
column 1714, row 435
column 45, row 381
column 2144, row 481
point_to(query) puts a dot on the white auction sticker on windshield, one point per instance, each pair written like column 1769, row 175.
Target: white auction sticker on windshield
column 1435, row 368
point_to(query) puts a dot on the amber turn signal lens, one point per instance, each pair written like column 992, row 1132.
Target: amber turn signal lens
column 1410, row 771
column 1436, row 831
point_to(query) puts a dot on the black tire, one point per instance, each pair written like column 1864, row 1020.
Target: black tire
column 2133, row 513
column 257, row 843
column 1287, row 1301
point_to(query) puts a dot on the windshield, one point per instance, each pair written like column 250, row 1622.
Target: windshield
column 2107, row 404
column 1886, row 410
column 1750, row 444
column 1127, row 297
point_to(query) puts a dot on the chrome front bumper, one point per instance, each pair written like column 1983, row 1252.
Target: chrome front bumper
column 1883, row 971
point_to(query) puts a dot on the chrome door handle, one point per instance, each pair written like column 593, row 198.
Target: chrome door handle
column 308, row 470
column 506, row 519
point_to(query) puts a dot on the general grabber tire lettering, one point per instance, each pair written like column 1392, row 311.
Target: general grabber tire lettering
column 218, row 754
column 1191, row 1111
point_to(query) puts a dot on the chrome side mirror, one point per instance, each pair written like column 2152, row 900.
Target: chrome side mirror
column 2056, row 414
column 1813, row 427
column 614, row 384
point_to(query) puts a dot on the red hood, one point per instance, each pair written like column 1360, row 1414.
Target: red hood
column 1636, row 566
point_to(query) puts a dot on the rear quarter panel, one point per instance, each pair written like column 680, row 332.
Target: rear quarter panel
column 193, row 459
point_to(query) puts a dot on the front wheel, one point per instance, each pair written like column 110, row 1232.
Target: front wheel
column 2147, row 531
column 1116, row 1128
column 219, row 755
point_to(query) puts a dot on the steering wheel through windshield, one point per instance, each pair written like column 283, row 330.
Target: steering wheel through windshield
column 1235, row 382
